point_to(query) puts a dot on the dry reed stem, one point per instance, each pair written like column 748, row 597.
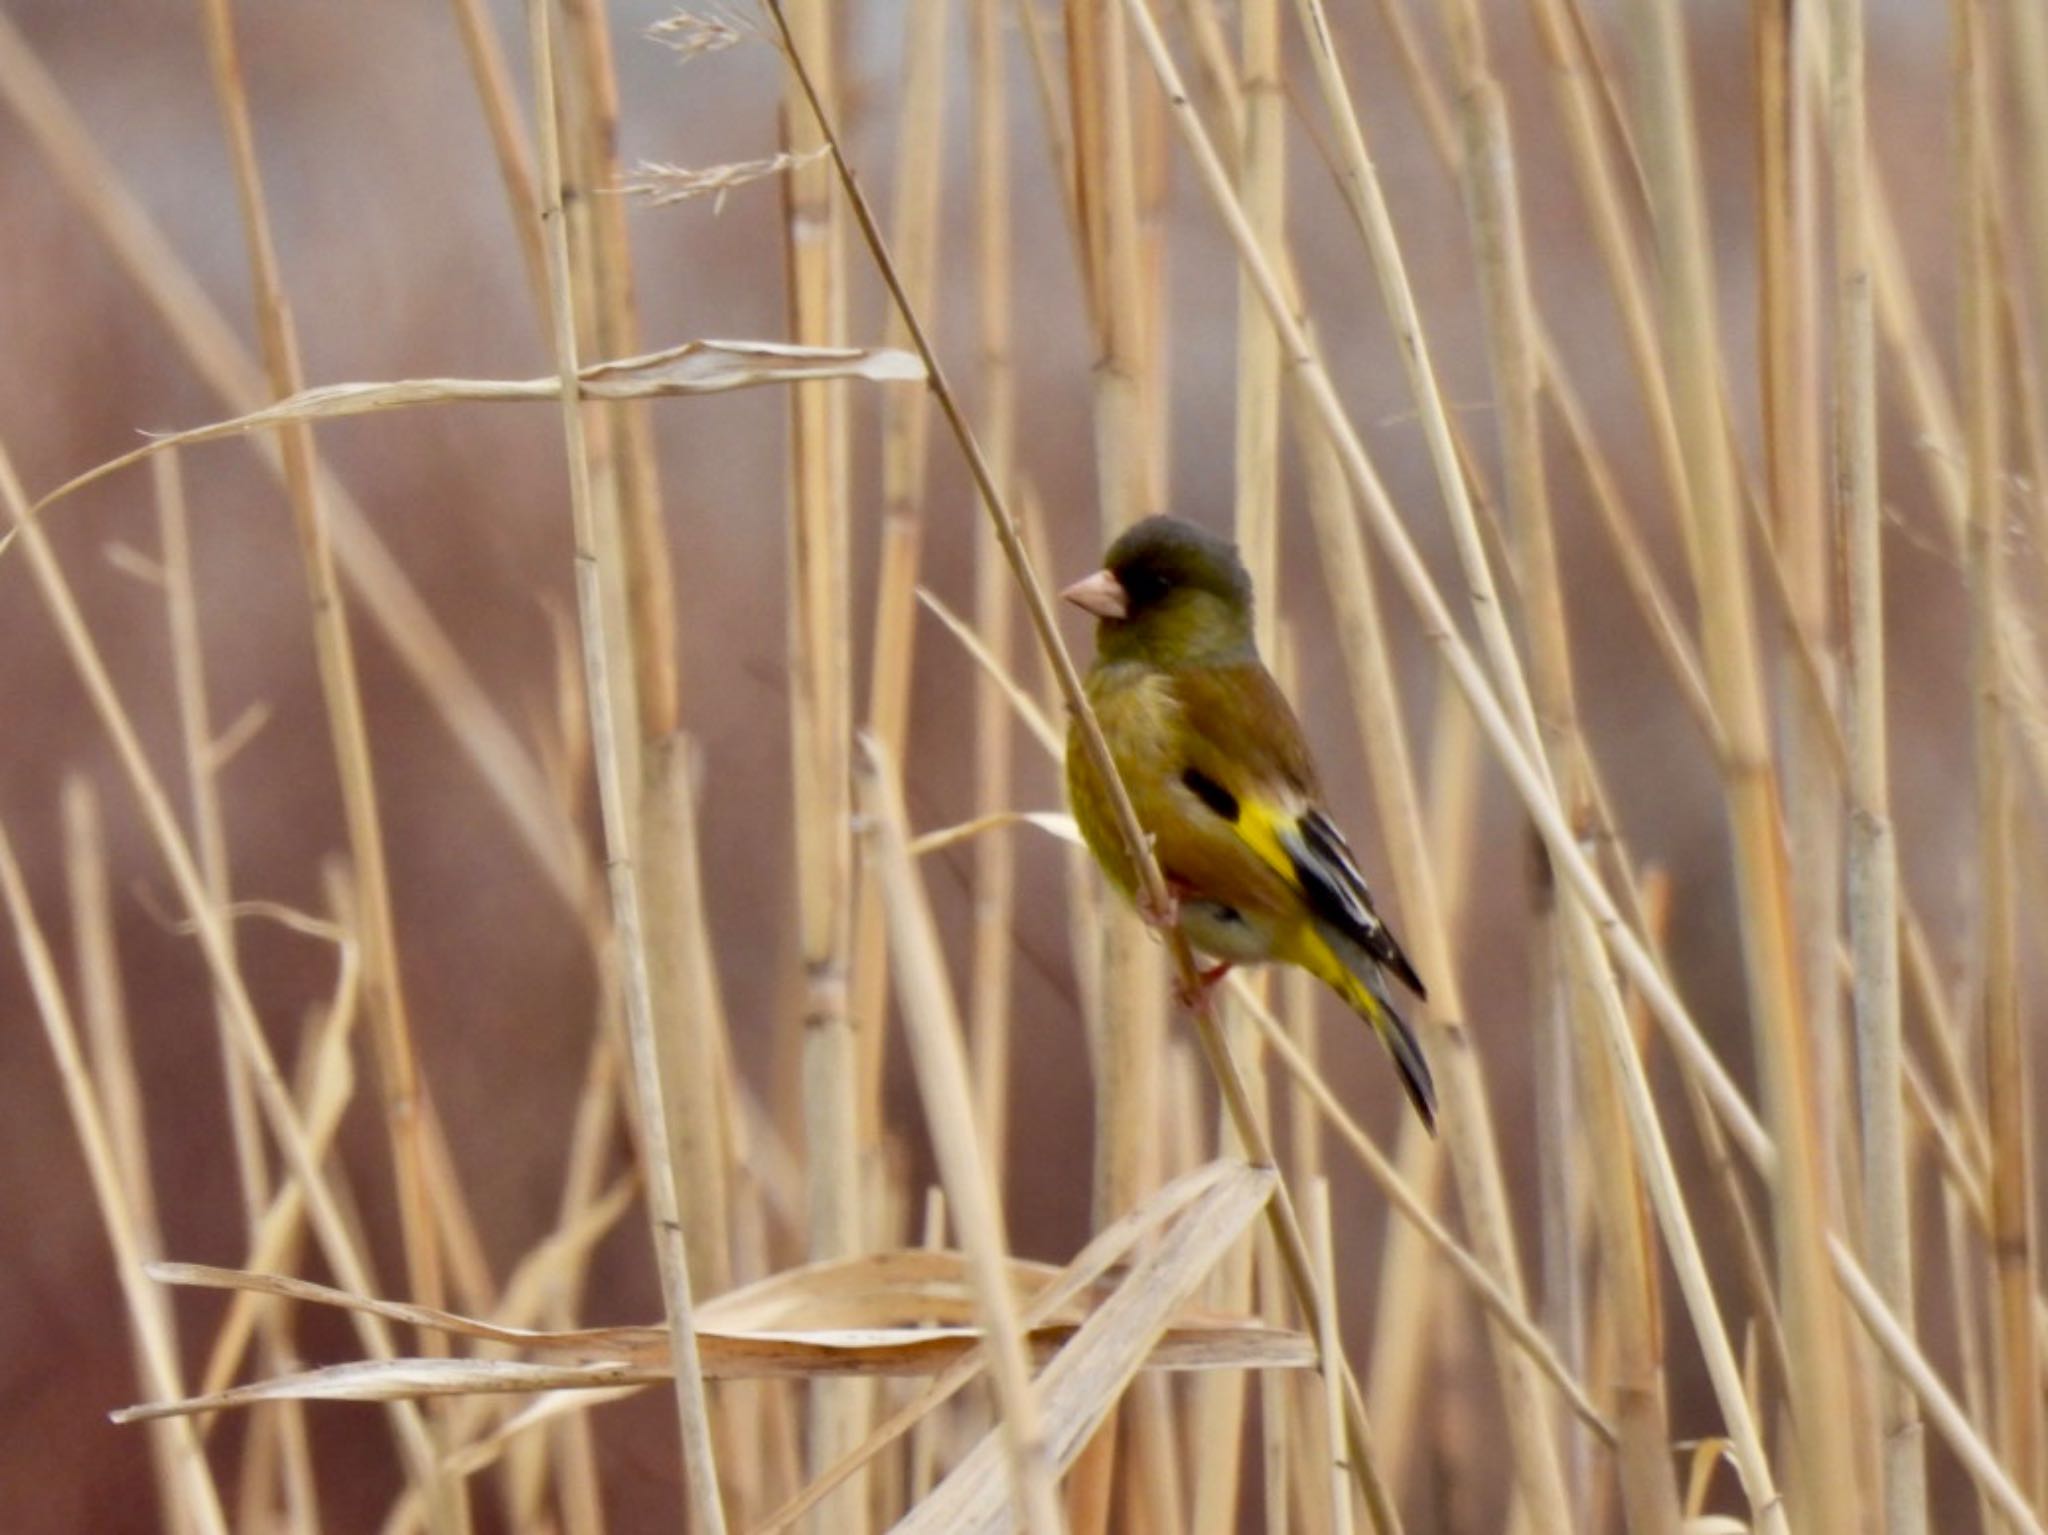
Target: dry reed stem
column 990, row 985
column 341, row 689
column 1873, row 875
column 192, row 1494
column 390, row 600
column 600, row 589
column 1820, row 1377
column 943, row 1083
column 905, row 433
column 1280, row 1212
column 2016, row 1361
column 1534, row 789
column 336, row 1238
column 109, row 1054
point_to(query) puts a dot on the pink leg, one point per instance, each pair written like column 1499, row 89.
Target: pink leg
column 1206, row 981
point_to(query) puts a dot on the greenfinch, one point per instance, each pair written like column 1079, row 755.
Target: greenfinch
column 1219, row 774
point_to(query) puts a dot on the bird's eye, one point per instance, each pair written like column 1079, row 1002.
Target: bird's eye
column 1142, row 586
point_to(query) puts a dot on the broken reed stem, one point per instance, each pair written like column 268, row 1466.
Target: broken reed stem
column 934, row 1034
column 149, row 1318
column 1873, row 873
column 2016, row 1372
column 337, row 1240
column 600, row 588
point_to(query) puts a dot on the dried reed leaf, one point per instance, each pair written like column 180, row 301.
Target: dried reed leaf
column 1080, row 1386
column 694, row 367
column 1053, row 823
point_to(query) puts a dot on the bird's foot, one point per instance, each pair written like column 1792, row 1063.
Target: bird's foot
column 1193, row 997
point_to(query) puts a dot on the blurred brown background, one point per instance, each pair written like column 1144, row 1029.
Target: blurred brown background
column 397, row 250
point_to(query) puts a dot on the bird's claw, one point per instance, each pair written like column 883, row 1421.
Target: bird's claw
column 1194, row 996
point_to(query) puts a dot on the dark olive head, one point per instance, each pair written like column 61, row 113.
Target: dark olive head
column 1169, row 592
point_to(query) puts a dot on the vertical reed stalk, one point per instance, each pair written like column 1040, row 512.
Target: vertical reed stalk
column 342, row 691
column 905, row 428
column 194, row 1498
column 1873, row 872
column 820, row 646
column 2016, row 1361
column 989, row 999
column 337, row 1240
column 935, row 1048
column 601, row 586
column 1820, row 1381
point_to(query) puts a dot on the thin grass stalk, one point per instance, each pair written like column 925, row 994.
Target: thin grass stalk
column 110, row 1052
column 1400, row 1332
column 96, row 186
column 485, row 51
column 192, row 1500
column 1038, row 607
column 340, row 688
column 2016, row 1363
column 337, row 1239
column 2029, row 43
column 1820, row 1379
column 1800, row 527
column 936, row 1052
column 1541, row 1481
column 209, row 836
column 683, row 974
column 1873, row 889
column 600, row 585
column 1529, row 781
column 821, row 732
column 593, row 128
column 1648, row 1495
column 905, row 430
column 989, row 993
column 1323, row 1241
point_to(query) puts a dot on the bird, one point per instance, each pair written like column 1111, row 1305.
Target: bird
column 1219, row 773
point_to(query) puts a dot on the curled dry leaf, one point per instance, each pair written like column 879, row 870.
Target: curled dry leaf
column 695, row 367
column 883, row 1314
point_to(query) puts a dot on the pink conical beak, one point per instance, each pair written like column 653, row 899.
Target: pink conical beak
column 1101, row 594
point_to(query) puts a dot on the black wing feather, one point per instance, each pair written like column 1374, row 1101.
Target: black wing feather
column 1337, row 894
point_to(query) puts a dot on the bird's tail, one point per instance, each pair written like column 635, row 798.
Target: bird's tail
column 1370, row 1002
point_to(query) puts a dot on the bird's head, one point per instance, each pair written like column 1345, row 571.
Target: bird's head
column 1168, row 593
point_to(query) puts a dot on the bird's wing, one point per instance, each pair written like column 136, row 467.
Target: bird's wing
column 1248, row 766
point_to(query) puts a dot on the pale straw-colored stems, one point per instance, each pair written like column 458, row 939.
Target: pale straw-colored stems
column 337, row 1240
column 600, row 588
column 2016, row 1361
column 989, row 1000
column 821, row 724
column 341, row 690
column 1529, row 780
column 210, row 344
column 906, row 415
column 1873, row 874
column 934, row 1036
column 114, row 1092
column 1038, row 606
column 190, row 1493
column 1820, row 1380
